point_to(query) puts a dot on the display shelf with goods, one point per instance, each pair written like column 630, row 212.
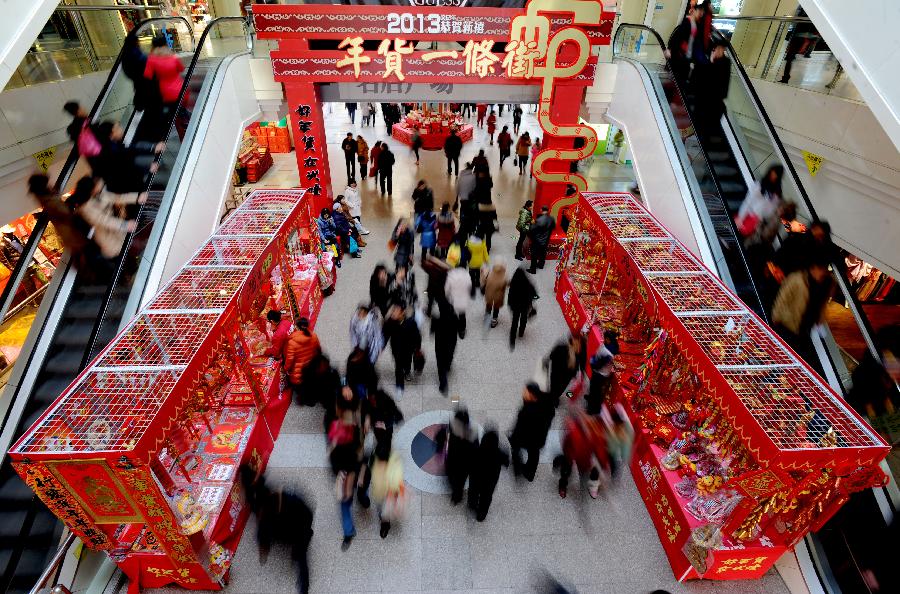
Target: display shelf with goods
column 433, row 128
column 253, row 160
column 140, row 455
column 272, row 135
column 741, row 449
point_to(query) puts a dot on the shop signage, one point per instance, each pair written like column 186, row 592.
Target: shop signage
column 813, row 162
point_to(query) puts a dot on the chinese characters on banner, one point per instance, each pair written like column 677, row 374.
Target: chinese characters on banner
column 309, row 139
column 546, row 44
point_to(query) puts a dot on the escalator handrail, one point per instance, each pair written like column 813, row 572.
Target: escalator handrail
column 761, row 310
column 838, row 266
column 37, row 233
column 123, row 257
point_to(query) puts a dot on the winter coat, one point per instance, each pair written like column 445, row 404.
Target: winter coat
column 494, row 284
column 453, row 146
column 373, row 156
column 478, row 253
column 532, row 424
column 504, row 141
column 405, row 247
column 426, row 226
column 327, row 230
column 523, row 223
column 386, row 161
column 362, row 150
column 353, row 200
column 793, row 302
column 299, row 350
column 378, row 294
column 458, row 289
column 522, row 146
column 279, row 338
column 404, row 292
column 487, row 219
column 465, row 185
column 166, row 68
column 350, row 146
column 423, row 200
column 491, row 124
column 542, row 229
column 446, row 225
column 387, row 478
column 366, row 334
column 462, row 444
column 488, row 461
column 124, row 168
column 521, row 291
column 109, row 229
column 404, row 336
column 341, row 224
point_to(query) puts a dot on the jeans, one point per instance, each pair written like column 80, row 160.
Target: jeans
column 387, row 178
column 347, row 518
column 351, row 165
column 452, row 161
column 352, row 113
column 519, row 320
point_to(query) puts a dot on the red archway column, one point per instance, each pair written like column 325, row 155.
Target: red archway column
column 308, row 127
column 565, row 107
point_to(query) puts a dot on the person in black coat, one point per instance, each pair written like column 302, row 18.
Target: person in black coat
column 405, row 242
column 566, row 359
column 423, row 198
column 351, row 149
column 711, row 84
column 123, row 168
column 530, row 431
column 281, row 516
column 521, row 295
column 380, row 414
column 446, row 332
column 379, row 284
column 360, row 374
column 403, row 333
column 462, row 445
column 147, row 98
column 452, row 149
column 386, row 169
column 485, row 473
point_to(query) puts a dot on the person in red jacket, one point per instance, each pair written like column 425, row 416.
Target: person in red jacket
column 504, row 141
column 584, row 446
column 165, row 67
column 280, row 330
column 481, row 109
column 301, row 347
column 492, row 125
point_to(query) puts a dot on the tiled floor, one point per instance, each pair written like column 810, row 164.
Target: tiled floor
column 603, row 546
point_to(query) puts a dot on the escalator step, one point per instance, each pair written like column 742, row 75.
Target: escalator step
column 718, row 156
column 11, row 523
column 731, row 187
column 726, row 170
column 14, row 490
column 86, row 309
column 75, row 334
column 50, row 388
column 65, row 363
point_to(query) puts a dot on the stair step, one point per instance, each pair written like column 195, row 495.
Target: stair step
column 49, row 389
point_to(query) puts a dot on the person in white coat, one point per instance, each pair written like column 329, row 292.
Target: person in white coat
column 457, row 289
column 354, row 204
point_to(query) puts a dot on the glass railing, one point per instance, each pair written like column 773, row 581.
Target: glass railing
column 643, row 45
column 786, row 50
column 32, row 270
column 223, row 37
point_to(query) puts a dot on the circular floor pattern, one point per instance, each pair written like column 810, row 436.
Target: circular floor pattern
column 423, row 467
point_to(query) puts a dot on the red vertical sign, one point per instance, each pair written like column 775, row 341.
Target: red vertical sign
column 307, row 123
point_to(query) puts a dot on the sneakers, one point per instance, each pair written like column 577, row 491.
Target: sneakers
column 494, row 323
column 346, row 544
column 364, row 231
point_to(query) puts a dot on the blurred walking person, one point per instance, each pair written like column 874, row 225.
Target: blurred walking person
column 478, row 257
column 344, row 451
column 300, row 348
column 446, row 230
column 584, row 447
column 401, row 330
column 481, row 109
column 521, row 296
column 98, row 208
column 452, row 149
column 166, row 68
column 540, row 234
column 386, row 169
column 517, row 118
column 281, row 517
column 388, row 489
column 523, row 226
column 351, row 149
column 403, row 242
column 800, row 307
column 489, row 458
column 437, row 270
column 458, row 290
column 70, row 227
column 504, row 143
column 523, row 146
column 619, row 438
column 530, row 431
column 462, row 445
column 492, row 125
column 362, row 155
column 373, row 159
column 493, row 284
column 446, row 331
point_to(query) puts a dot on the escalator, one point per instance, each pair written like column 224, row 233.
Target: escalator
column 722, row 160
column 81, row 313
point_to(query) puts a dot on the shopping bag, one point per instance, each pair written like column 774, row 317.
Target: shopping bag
column 746, row 224
column 354, row 247
column 419, row 361
column 453, row 255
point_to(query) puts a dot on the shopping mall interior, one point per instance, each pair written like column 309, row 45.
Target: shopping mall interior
column 664, row 261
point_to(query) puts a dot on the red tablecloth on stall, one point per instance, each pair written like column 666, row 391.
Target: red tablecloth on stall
column 431, row 140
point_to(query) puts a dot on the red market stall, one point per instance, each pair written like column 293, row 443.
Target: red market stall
column 433, row 128
column 741, row 449
column 139, row 455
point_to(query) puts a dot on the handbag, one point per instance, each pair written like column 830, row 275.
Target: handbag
column 746, row 224
column 354, row 247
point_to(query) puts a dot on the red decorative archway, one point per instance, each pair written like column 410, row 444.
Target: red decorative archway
column 547, row 43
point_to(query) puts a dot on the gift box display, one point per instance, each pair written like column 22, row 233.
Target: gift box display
column 741, row 449
column 139, row 456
